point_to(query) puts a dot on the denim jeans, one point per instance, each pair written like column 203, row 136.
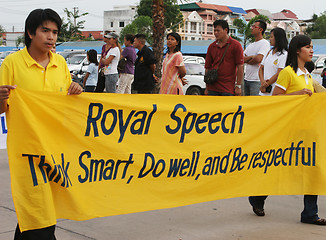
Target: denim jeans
column 309, row 213
column 257, row 201
column 111, row 82
column 251, row 88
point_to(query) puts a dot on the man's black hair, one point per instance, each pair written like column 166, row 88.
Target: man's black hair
column 262, row 25
column 140, row 36
column 36, row 18
column 130, row 37
column 224, row 24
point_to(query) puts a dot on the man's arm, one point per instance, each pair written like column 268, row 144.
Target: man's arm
column 153, row 67
column 247, row 58
column 75, row 89
column 240, row 71
column 4, row 95
column 253, row 60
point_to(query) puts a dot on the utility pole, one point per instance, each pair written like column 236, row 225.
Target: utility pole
column 74, row 16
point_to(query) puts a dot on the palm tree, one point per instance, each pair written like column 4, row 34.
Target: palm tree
column 158, row 35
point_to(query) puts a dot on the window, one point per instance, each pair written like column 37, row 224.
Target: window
column 193, row 27
column 112, row 24
column 192, row 38
column 209, row 28
column 232, row 31
column 122, row 24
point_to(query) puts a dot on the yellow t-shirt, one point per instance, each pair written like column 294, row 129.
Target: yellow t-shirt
column 22, row 70
column 291, row 81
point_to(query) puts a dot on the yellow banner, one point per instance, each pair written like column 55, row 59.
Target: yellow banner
column 94, row 155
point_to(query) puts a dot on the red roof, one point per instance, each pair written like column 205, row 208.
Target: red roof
column 4, row 34
column 253, row 10
column 97, row 35
column 289, row 14
column 214, row 7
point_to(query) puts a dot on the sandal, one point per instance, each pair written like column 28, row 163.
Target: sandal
column 259, row 211
column 320, row 221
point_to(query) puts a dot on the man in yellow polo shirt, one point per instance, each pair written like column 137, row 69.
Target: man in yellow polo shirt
column 36, row 68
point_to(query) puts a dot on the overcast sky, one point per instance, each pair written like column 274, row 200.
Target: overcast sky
column 14, row 12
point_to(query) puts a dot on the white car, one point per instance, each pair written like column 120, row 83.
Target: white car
column 4, row 55
column 79, row 62
column 195, row 79
column 193, row 59
column 69, row 53
column 319, row 61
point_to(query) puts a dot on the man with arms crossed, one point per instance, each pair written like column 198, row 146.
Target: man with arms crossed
column 254, row 54
column 230, row 72
column 36, row 68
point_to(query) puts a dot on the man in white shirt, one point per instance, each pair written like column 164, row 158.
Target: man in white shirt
column 253, row 55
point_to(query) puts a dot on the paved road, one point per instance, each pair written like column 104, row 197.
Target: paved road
column 230, row 219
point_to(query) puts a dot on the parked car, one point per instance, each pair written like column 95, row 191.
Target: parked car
column 193, row 59
column 319, row 60
column 69, row 53
column 195, row 78
column 4, row 55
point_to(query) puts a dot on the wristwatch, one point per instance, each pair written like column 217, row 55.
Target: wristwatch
column 238, row 86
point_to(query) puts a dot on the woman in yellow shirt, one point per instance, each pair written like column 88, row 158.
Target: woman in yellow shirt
column 296, row 80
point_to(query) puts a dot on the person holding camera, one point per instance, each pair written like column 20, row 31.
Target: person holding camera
column 224, row 56
column 273, row 62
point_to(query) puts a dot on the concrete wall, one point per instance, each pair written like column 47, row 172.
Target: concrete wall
column 116, row 20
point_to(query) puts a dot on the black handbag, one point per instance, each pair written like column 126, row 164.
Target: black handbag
column 211, row 75
column 122, row 64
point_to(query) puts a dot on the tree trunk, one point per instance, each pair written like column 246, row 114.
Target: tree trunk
column 158, row 37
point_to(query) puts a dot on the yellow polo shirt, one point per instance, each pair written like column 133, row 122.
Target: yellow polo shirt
column 291, row 81
column 22, row 70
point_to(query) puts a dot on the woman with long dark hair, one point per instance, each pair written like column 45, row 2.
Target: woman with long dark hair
column 111, row 63
column 91, row 77
column 101, row 79
column 173, row 67
column 273, row 62
column 296, row 80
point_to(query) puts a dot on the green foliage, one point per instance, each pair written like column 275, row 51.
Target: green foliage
column 71, row 30
column 317, row 30
column 19, row 40
column 142, row 24
column 245, row 28
column 2, row 30
column 172, row 14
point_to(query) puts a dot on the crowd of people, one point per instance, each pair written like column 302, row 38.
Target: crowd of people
column 272, row 68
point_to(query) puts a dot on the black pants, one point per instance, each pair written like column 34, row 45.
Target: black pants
column 90, row 88
column 213, row 93
column 37, row 234
column 100, row 83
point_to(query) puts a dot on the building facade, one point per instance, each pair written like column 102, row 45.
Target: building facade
column 115, row 20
